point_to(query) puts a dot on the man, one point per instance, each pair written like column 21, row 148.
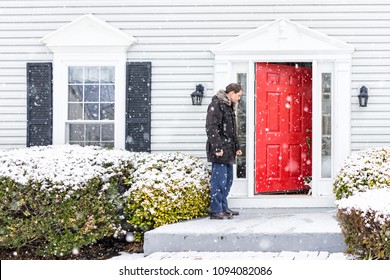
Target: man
column 222, row 147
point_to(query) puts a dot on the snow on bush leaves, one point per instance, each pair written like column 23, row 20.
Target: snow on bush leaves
column 62, row 167
column 371, row 201
column 363, row 170
column 58, row 198
column 362, row 187
column 166, row 188
column 365, row 222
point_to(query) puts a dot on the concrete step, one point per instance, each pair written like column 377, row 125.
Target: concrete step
column 257, row 230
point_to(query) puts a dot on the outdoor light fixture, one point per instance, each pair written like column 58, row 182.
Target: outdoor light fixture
column 197, row 95
column 363, row 96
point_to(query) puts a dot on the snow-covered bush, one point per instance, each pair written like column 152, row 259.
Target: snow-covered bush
column 365, row 222
column 363, row 170
column 362, row 187
column 57, row 198
column 166, row 188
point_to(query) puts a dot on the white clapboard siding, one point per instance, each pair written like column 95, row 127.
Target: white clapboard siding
column 169, row 116
column 161, row 131
column 372, row 130
column 176, row 36
column 177, row 109
column 13, row 102
column 189, row 139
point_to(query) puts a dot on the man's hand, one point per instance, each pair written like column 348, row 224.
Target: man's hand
column 239, row 152
column 219, row 154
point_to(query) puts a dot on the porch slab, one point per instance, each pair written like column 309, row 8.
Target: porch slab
column 257, row 230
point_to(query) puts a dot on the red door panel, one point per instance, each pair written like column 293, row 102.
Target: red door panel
column 283, row 127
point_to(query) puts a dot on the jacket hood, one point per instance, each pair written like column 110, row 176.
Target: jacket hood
column 221, row 94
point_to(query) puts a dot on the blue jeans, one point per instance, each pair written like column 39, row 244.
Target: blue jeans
column 221, row 182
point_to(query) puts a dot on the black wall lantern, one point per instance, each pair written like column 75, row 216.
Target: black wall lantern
column 197, row 95
column 363, row 96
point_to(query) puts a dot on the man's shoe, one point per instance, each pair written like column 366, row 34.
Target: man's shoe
column 228, row 216
column 217, row 216
column 231, row 212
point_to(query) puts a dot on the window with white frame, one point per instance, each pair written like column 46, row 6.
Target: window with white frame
column 241, row 126
column 91, row 105
column 326, row 114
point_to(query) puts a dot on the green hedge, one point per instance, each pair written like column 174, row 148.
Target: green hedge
column 362, row 189
column 55, row 199
column 59, row 198
column 166, row 188
column 365, row 222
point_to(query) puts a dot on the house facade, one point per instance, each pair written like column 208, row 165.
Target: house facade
column 120, row 74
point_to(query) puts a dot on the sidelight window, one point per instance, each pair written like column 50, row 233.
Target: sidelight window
column 326, row 135
column 241, row 126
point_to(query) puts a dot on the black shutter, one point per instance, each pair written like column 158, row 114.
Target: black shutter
column 39, row 104
column 138, row 107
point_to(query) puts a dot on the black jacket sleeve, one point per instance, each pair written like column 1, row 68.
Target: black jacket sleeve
column 214, row 127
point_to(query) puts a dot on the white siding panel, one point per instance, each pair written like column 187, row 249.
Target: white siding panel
column 13, row 102
column 177, row 124
column 185, row 147
column 7, row 92
column 179, row 116
column 371, row 130
column 12, row 133
column 12, row 141
column 175, row 109
column 189, row 139
column 176, row 36
column 12, row 117
column 157, row 131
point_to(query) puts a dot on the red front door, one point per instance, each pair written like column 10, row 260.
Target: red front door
column 283, row 127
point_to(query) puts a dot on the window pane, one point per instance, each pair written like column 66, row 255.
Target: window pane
column 107, row 74
column 326, row 137
column 241, row 126
column 75, row 75
column 107, row 93
column 92, row 75
column 106, row 111
column 92, row 132
column 75, row 111
column 75, row 93
column 107, row 132
column 91, row 94
column 76, row 132
column 91, row 111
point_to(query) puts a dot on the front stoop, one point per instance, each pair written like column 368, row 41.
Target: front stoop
column 258, row 230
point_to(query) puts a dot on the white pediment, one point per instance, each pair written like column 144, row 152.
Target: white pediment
column 86, row 33
column 282, row 35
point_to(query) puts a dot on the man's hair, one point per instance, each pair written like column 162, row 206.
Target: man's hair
column 233, row 87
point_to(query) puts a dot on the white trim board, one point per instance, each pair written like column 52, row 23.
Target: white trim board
column 285, row 41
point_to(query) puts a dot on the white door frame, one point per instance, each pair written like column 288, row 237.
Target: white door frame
column 285, row 41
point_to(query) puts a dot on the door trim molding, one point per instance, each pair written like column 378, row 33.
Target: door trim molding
column 319, row 49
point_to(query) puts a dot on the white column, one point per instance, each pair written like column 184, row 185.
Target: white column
column 342, row 123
